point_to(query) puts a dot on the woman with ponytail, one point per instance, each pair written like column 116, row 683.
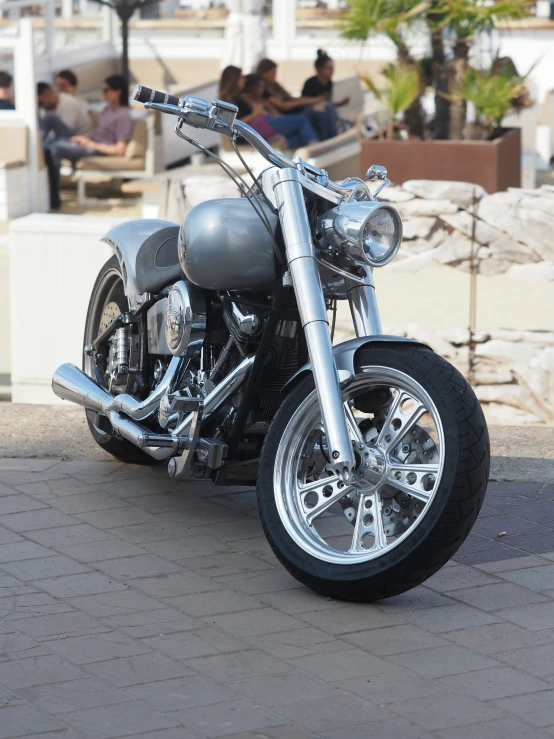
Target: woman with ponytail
column 321, row 84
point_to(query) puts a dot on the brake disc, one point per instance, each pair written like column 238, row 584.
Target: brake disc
column 399, row 509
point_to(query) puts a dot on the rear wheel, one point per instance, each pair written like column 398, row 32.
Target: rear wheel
column 422, row 461
column 107, row 302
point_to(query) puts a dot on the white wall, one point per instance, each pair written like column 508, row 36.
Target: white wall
column 54, row 260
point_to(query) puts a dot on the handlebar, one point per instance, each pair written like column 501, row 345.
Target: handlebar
column 220, row 116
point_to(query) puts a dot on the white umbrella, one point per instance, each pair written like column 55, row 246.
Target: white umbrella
column 244, row 36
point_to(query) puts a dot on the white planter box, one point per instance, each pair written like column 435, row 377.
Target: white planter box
column 54, row 261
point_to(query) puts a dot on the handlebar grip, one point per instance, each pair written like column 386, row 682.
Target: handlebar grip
column 148, row 95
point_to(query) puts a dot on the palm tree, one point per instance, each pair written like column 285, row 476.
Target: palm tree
column 368, row 18
column 466, row 19
column 457, row 20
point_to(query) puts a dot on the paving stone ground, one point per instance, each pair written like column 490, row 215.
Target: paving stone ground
column 134, row 606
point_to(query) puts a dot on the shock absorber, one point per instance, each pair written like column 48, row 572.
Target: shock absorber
column 121, row 350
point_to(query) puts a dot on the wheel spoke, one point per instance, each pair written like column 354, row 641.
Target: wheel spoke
column 396, row 423
column 353, row 428
column 413, row 479
column 369, row 521
column 329, row 490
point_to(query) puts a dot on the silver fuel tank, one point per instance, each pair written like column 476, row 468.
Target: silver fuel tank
column 223, row 245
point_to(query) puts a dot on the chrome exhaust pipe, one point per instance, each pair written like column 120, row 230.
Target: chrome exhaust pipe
column 70, row 383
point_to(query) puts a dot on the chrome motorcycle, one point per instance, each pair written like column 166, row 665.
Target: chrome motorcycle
column 209, row 345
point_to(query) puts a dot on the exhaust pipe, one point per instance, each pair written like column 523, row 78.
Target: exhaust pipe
column 70, row 383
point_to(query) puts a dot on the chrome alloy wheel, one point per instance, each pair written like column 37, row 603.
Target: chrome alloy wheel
column 399, row 451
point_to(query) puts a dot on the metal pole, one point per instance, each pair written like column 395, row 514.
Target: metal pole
column 473, row 270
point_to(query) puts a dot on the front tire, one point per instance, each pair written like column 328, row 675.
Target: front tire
column 422, row 472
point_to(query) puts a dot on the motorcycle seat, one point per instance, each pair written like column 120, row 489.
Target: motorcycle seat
column 157, row 261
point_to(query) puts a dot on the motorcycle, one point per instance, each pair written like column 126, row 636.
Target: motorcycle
column 208, row 344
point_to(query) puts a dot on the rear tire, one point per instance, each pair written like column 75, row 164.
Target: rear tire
column 406, row 559
column 108, row 288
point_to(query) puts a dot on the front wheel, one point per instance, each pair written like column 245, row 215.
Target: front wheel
column 422, row 461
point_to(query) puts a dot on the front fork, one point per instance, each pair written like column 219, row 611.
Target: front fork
column 313, row 315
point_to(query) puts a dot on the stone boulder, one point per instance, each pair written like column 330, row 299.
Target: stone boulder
column 420, row 207
column 530, row 226
column 460, row 193
column 501, row 244
column 393, row 194
column 419, row 227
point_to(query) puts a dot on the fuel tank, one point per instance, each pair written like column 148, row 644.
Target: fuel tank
column 223, row 245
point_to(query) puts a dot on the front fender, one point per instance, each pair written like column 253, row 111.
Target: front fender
column 345, row 356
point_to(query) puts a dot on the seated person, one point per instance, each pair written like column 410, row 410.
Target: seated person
column 321, row 84
column 245, row 93
column 6, row 92
column 110, row 137
column 66, row 81
column 320, row 112
column 296, row 127
column 63, row 116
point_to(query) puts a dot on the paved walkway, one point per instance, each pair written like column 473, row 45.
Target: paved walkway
column 131, row 605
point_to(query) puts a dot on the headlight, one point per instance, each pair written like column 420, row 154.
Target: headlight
column 368, row 231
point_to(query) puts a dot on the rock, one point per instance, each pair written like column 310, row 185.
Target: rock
column 538, row 203
column 460, row 336
column 537, row 338
column 511, row 394
column 515, row 352
column 489, row 372
column 393, row 194
column 531, row 226
column 538, row 272
column 420, row 207
column 415, row 246
column 430, row 338
column 501, row 243
column 494, row 266
column 505, row 415
column 460, row 193
column 418, row 227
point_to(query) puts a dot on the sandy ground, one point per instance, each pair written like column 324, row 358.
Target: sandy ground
column 519, row 453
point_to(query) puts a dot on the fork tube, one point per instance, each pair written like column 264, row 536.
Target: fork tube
column 313, row 315
column 363, row 307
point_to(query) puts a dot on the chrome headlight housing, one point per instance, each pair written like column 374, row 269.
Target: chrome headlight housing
column 369, row 231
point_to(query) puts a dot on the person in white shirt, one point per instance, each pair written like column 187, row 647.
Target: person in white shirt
column 64, row 115
column 67, row 81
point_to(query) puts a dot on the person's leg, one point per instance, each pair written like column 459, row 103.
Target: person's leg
column 296, row 128
column 323, row 120
column 62, row 149
column 53, row 124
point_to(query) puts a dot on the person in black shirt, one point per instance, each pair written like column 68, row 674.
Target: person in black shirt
column 6, row 92
column 321, row 85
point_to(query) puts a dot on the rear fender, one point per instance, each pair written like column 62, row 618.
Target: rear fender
column 345, row 357
column 126, row 240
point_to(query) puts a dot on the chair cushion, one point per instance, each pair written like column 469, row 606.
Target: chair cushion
column 136, row 148
column 109, row 164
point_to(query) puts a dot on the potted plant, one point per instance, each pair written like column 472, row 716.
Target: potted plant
column 443, row 150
